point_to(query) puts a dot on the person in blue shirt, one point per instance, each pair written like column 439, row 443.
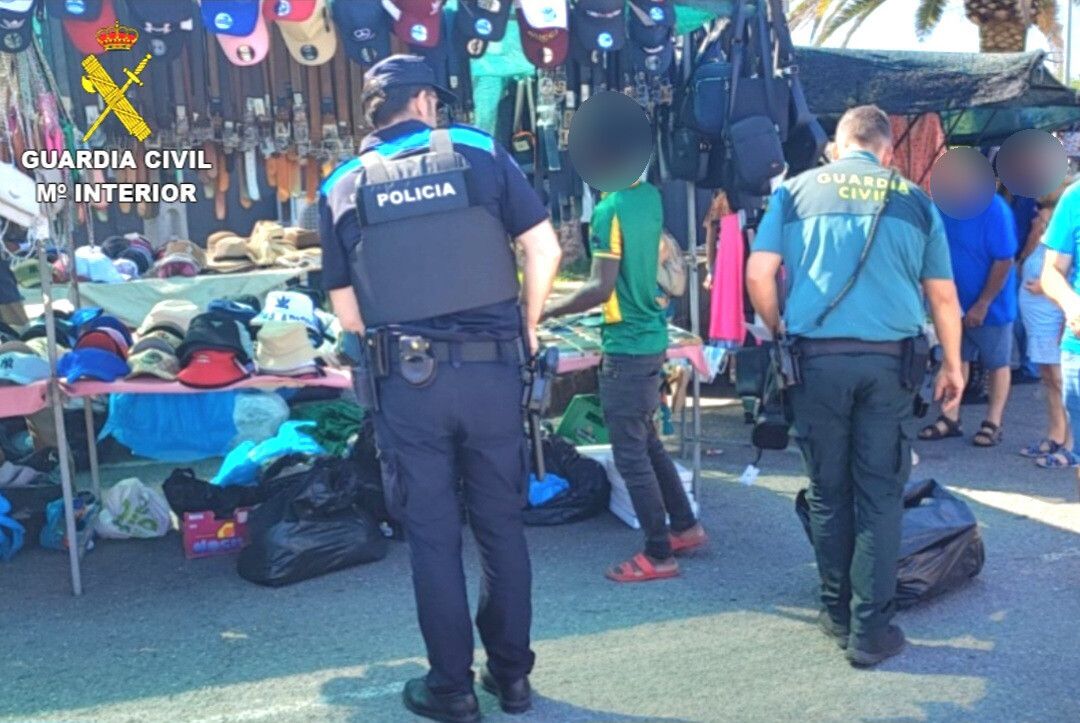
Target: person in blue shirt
column 443, row 368
column 1061, row 282
column 983, row 251
column 852, row 324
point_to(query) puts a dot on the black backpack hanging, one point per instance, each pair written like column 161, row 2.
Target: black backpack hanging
column 753, row 150
column 806, row 141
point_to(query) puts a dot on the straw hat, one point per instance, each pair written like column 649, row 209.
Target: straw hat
column 228, row 253
column 267, row 243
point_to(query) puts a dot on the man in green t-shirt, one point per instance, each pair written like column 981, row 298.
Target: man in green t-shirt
column 625, row 240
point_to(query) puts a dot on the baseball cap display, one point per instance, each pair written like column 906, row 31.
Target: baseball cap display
column 283, row 348
column 91, row 264
column 311, row 41
column 104, row 321
column 365, row 30
column 20, row 364
column 177, row 313
column 153, row 358
column 291, row 10
column 164, row 27
column 91, row 363
column 240, row 29
column 483, row 19
column 105, row 339
column 544, row 29
column 239, row 311
column 654, row 60
column 651, row 22
column 600, row 24
column 417, row 22
column 216, row 332
column 82, row 21
column 212, row 369
column 16, row 25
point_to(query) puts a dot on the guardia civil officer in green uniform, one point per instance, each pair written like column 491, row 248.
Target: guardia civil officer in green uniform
column 853, row 325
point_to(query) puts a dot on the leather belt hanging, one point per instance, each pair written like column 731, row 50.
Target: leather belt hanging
column 344, row 107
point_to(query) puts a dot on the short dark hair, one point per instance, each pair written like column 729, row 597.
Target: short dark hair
column 867, row 125
column 382, row 106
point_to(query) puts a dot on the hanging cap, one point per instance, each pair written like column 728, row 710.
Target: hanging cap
column 600, row 24
column 16, row 25
column 651, row 21
column 230, row 17
column 483, row 19
column 312, row 41
column 417, row 22
column 82, row 27
column 544, row 29
column 291, row 10
column 365, row 30
column 164, row 27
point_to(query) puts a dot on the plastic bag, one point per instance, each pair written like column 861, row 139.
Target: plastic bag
column 258, row 416
column 312, row 526
column 131, row 509
column 54, row 534
column 589, row 491
column 241, row 466
column 11, row 532
column 940, row 545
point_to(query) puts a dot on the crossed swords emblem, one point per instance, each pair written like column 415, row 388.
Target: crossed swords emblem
column 97, row 80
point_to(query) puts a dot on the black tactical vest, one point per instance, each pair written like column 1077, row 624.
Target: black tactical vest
column 425, row 251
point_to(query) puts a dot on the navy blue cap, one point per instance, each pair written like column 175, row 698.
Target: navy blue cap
column 398, row 70
column 365, row 30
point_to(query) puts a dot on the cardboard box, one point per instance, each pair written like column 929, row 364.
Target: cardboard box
column 208, row 536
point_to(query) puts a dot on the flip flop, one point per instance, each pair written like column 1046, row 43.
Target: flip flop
column 640, row 568
column 1059, row 459
column 934, row 433
column 1039, row 449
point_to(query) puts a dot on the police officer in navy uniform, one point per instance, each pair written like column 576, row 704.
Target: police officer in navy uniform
column 418, row 259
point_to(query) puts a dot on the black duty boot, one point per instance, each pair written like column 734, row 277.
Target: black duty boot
column 514, row 698
column 460, row 708
column 864, row 652
column 834, row 630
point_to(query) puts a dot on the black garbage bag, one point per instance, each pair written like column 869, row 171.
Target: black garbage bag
column 940, row 545
column 589, row 492
column 364, row 465
column 313, row 524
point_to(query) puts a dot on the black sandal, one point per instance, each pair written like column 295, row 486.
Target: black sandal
column 934, row 432
column 989, row 435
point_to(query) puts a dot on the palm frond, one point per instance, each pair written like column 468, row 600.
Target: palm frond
column 845, row 13
column 857, row 23
column 1047, row 22
column 805, row 11
column 927, row 16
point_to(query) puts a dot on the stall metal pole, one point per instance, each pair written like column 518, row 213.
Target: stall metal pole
column 56, row 400
column 695, row 328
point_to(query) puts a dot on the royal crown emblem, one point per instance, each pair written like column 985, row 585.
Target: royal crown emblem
column 118, row 37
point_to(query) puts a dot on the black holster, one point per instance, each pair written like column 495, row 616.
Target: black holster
column 914, row 362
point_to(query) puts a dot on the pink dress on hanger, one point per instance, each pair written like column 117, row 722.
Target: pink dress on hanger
column 727, row 311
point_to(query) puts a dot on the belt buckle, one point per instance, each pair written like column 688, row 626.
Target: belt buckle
column 416, row 360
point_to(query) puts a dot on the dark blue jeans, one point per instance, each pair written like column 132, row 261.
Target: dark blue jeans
column 630, row 396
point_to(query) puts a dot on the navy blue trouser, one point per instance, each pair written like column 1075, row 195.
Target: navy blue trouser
column 465, row 426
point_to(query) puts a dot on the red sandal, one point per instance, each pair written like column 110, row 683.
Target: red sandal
column 640, row 568
column 689, row 540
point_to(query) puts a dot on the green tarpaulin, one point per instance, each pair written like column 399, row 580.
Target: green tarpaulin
column 982, row 98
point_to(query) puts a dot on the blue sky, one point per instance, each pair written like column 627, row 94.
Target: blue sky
column 892, row 27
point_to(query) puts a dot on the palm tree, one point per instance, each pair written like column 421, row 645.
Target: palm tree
column 1003, row 24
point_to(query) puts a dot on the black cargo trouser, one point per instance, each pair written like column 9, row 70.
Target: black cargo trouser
column 849, row 418
column 630, row 396
column 466, row 425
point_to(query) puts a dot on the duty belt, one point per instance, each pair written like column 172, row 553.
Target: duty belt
column 808, row 348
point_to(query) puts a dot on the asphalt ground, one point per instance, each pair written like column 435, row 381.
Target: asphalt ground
column 159, row 638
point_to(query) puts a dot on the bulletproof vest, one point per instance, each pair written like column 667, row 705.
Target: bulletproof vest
column 425, row 250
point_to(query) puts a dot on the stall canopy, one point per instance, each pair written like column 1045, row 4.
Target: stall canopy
column 982, row 98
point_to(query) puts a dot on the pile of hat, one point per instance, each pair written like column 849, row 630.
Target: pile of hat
column 270, row 244
column 101, row 344
column 179, row 258
column 28, row 275
column 290, row 335
column 20, row 364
